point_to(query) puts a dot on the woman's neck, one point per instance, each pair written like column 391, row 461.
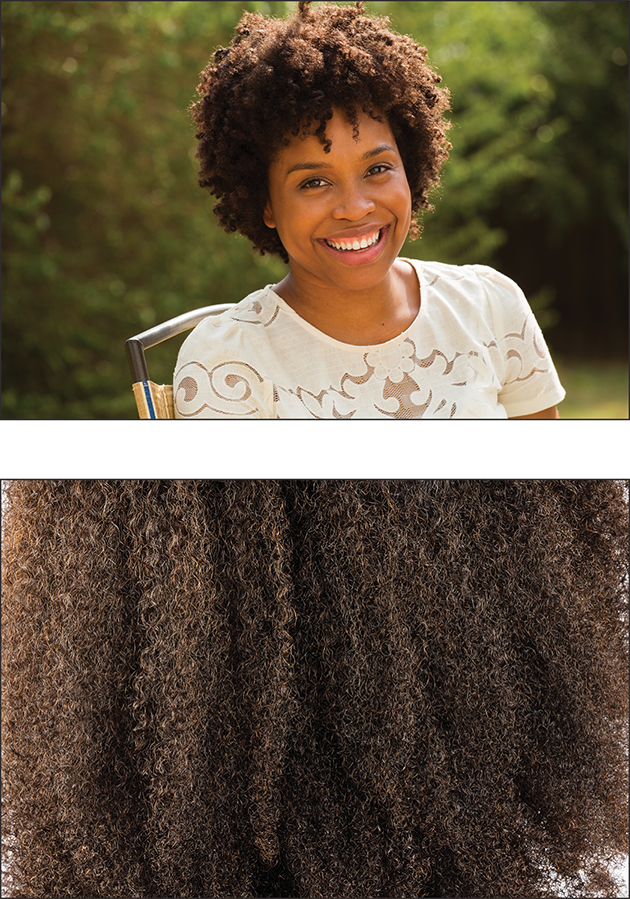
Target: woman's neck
column 362, row 317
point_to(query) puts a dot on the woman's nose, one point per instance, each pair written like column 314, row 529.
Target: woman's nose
column 353, row 203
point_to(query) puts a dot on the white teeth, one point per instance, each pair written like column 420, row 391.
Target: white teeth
column 355, row 244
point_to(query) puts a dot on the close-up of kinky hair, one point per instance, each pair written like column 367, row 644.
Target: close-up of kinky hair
column 282, row 78
column 334, row 688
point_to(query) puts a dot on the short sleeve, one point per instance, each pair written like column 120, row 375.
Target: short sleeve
column 529, row 381
column 212, row 379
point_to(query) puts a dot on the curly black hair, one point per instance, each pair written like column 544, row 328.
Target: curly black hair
column 314, row 688
column 282, row 77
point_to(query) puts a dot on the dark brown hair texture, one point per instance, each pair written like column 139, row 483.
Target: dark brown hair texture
column 283, row 77
column 314, row 688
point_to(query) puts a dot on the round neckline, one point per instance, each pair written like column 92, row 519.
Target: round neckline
column 321, row 335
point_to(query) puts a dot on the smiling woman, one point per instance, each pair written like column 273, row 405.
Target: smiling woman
column 321, row 136
column 343, row 230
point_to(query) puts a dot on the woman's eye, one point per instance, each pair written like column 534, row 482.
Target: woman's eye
column 379, row 169
column 312, row 182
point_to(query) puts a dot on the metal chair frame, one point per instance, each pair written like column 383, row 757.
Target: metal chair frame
column 136, row 346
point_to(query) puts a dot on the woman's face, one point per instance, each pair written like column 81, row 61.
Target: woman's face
column 326, row 205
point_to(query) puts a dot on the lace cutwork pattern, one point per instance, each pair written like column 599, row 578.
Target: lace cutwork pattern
column 474, row 351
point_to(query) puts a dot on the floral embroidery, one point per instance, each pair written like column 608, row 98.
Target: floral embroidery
column 258, row 314
column 392, row 362
column 227, row 383
column 452, row 362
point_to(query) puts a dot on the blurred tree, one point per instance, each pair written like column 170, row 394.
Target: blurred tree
column 568, row 221
column 105, row 231
column 537, row 184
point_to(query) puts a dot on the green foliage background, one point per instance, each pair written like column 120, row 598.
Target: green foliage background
column 105, row 231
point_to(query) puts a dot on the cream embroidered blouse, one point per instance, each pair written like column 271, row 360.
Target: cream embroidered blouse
column 474, row 350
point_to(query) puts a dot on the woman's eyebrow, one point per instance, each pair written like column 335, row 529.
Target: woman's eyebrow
column 304, row 166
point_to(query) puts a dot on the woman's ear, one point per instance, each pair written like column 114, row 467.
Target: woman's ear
column 268, row 218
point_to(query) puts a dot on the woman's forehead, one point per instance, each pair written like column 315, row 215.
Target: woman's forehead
column 341, row 135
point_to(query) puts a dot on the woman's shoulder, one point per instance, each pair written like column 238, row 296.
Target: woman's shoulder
column 472, row 287
column 432, row 272
column 220, row 369
column 255, row 309
column 225, row 329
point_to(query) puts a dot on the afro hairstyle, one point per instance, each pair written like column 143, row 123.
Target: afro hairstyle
column 314, row 688
column 283, row 77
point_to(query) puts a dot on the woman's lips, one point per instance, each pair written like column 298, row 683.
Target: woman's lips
column 359, row 257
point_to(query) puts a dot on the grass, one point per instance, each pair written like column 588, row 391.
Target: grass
column 595, row 389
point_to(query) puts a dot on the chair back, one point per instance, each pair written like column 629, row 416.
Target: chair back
column 156, row 400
